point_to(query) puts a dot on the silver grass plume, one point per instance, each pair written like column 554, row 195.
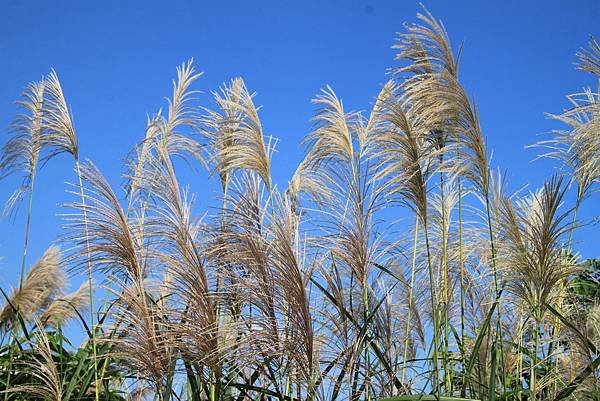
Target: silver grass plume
column 291, row 277
column 176, row 233
column 435, row 94
column 578, row 147
column 44, row 281
column 245, row 247
column 533, row 233
column 235, row 135
column 65, row 308
column 306, row 181
column 143, row 336
column 171, row 135
column 589, row 59
column 403, row 154
column 113, row 243
column 432, row 81
column 181, row 114
column 22, row 151
column 332, row 139
column 58, row 132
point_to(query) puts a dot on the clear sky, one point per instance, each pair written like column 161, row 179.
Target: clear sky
column 116, row 60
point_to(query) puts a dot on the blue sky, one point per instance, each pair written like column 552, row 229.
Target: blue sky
column 116, row 61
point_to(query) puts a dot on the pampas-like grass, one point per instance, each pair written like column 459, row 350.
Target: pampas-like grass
column 66, row 308
column 248, row 253
column 306, row 181
column 58, row 132
column 404, row 156
column 176, row 233
column 589, row 59
column 304, row 293
column 143, row 339
column 534, row 231
column 114, row 244
column 235, row 134
column 181, row 114
column 332, row 139
column 43, row 368
column 433, row 74
column 168, row 136
column 578, row 147
column 22, row 151
column 44, row 281
column 291, row 276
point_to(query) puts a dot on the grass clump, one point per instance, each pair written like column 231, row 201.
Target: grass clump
column 316, row 290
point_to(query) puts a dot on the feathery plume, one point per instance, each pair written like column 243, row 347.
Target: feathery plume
column 47, row 384
column 403, row 154
column 22, row 151
column 332, row 139
column 308, row 182
column 43, row 283
column 58, row 132
column 533, row 231
column 579, row 146
column 64, row 309
column 235, row 134
column 113, row 243
column 435, row 94
column 181, row 114
column 168, row 136
column 176, row 233
column 291, row 278
column 589, row 59
column 143, row 338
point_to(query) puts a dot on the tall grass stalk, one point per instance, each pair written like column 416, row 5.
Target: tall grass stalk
column 461, row 266
column 434, row 313
column 445, row 287
column 90, row 281
column 27, row 148
column 534, row 360
column 554, row 343
column 410, row 298
column 27, row 226
column 497, row 300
